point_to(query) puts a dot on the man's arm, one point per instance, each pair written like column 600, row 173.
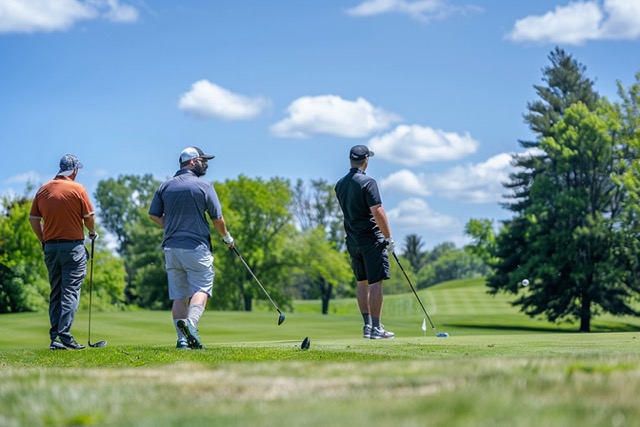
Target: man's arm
column 36, row 225
column 157, row 219
column 221, row 227
column 90, row 223
column 383, row 224
column 381, row 219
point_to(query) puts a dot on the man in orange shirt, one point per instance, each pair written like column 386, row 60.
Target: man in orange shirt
column 60, row 211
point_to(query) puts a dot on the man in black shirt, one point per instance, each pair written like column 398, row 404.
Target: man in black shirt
column 368, row 239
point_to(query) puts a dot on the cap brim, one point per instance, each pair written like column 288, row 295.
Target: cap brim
column 207, row 156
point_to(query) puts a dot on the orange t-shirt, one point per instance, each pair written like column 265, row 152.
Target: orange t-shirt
column 63, row 204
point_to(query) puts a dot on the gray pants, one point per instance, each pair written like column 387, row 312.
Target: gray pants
column 67, row 265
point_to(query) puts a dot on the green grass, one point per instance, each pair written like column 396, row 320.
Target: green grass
column 498, row 368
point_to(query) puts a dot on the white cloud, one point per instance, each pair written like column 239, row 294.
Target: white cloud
column 415, row 216
column 117, row 12
column 414, row 145
column 332, row 115
column 208, row 100
column 579, row 22
column 405, row 181
column 623, row 20
column 16, row 185
column 20, row 16
column 421, row 10
column 30, row 177
column 474, row 183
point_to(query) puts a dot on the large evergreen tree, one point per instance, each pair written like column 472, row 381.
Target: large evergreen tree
column 566, row 236
column 566, row 84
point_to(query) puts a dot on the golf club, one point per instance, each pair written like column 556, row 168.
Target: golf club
column 281, row 318
column 439, row 335
column 99, row 343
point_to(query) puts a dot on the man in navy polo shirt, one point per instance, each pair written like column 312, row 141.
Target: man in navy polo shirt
column 179, row 206
column 368, row 239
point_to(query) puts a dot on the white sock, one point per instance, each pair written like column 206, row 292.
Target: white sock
column 195, row 312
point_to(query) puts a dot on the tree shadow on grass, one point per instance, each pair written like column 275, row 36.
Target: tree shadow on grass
column 617, row 327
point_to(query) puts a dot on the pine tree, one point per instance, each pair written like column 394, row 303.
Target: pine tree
column 566, row 236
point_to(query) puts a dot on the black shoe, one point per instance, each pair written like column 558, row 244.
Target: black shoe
column 72, row 344
column 56, row 345
column 190, row 331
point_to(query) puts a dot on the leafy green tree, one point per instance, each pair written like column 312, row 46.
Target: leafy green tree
column 484, row 239
column 25, row 281
column 573, row 239
column 109, row 279
column 412, row 251
column 319, row 216
column 121, row 203
column 566, row 84
column 321, row 266
column 318, row 206
column 628, row 114
column 446, row 262
column 146, row 258
column 25, row 285
column 258, row 217
column 550, row 196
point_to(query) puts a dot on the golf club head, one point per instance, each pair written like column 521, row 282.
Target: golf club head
column 305, row 344
column 442, row 335
column 98, row 344
column 280, row 319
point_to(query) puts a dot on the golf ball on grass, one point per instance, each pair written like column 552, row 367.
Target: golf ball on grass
column 525, row 282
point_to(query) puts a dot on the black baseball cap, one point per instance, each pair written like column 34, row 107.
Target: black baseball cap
column 360, row 152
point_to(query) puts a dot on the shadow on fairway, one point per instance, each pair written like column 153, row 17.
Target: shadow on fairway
column 509, row 328
column 618, row 327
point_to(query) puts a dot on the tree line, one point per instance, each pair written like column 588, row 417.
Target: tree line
column 291, row 235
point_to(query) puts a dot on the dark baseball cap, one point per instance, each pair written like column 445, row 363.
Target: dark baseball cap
column 360, row 152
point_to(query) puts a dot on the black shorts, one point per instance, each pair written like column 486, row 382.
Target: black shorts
column 370, row 262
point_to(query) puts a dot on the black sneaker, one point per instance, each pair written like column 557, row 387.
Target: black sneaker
column 191, row 334
column 72, row 344
column 56, row 345
column 183, row 344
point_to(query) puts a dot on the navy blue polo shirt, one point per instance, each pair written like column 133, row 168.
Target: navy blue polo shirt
column 183, row 200
column 356, row 193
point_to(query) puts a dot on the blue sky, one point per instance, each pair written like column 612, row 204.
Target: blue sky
column 437, row 88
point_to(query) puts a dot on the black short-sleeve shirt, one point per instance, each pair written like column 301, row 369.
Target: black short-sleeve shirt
column 357, row 193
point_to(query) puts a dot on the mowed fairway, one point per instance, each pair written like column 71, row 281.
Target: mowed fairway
column 498, row 368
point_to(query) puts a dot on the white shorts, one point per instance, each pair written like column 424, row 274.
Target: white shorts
column 189, row 271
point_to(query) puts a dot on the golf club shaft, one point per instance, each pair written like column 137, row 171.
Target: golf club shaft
column 90, row 289
column 414, row 292
column 254, row 276
column 99, row 343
